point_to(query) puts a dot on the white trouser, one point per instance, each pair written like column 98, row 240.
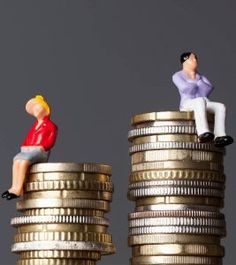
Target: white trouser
column 200, row 106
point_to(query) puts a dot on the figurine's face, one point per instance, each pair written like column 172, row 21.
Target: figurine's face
column 191, row 62
column 35, row 109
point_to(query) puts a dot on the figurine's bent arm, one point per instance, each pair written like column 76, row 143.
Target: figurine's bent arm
column 50, row 141
column 180, row 83
column 206, row 87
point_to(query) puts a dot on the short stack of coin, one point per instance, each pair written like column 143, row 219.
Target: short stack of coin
column 63, row 222
column 177, row 184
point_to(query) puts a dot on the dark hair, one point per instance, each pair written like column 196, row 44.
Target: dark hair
column 184, row 56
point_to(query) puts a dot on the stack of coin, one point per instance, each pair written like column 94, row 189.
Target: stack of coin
column 177, row 184
column 63, row 222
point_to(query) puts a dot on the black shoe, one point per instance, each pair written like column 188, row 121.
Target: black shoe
column 11, row 196
column 223, row 141
column 4, row 194
column 206, row 137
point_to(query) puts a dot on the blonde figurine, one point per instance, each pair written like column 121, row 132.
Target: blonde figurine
column 36, row 146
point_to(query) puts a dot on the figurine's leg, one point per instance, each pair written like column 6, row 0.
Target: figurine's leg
column 15, row 167
column 19, row 171
column 219, row 109
column 198, row 106
column 220, row 113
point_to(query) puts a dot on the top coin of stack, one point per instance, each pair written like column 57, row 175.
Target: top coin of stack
column 177, row 184
column 64, row 208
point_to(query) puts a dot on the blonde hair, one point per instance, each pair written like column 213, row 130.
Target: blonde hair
column 40, row 99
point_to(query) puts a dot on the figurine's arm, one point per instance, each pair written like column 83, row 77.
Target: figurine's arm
column 181, row 84
column 205, row 87
column 50, row 141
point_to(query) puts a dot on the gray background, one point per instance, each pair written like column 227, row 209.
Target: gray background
column 98, row 63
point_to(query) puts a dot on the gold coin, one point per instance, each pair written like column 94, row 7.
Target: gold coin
column 69, row 194
column 165, row 138
column 62, row 254
column 71, row 167
column 63, row 203
column 172, row 239
column 179, row 249
column 181, row 200
column 177, row 174
column 166, row 115
column 67, row 176
column 64, row 211
column 175, row 260
column 177, row 164
column 159, row 123
column 172, row 207
column 62, row 236
column 56, row 262
column 68, row 185
column 176, row 154
column 61, row 228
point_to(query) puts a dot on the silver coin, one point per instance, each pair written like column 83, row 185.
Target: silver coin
column 174, row 145
column 172, row 191
column 177, row 213
column 176, row 221
column 182, row 182
column 161, row 130
column 178, row 229
column 59, row 219
column 63, row 245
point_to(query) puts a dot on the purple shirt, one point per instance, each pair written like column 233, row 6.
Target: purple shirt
column 189, row 88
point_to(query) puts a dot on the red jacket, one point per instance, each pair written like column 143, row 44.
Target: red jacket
column 45, row 135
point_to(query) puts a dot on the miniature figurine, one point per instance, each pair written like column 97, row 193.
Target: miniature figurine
column 194, row 90
column 36, row 146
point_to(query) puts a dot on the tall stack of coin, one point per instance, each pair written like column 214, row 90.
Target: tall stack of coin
column 63, row 222
column 177, row 184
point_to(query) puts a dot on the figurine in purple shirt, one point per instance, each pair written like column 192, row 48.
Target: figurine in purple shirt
column 194, row 90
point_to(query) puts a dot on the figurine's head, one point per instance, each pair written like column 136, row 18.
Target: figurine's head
column 38, row 107
column 189, row 60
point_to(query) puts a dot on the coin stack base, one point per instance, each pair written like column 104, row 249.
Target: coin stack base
column 178, row 186
column 63, row 221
